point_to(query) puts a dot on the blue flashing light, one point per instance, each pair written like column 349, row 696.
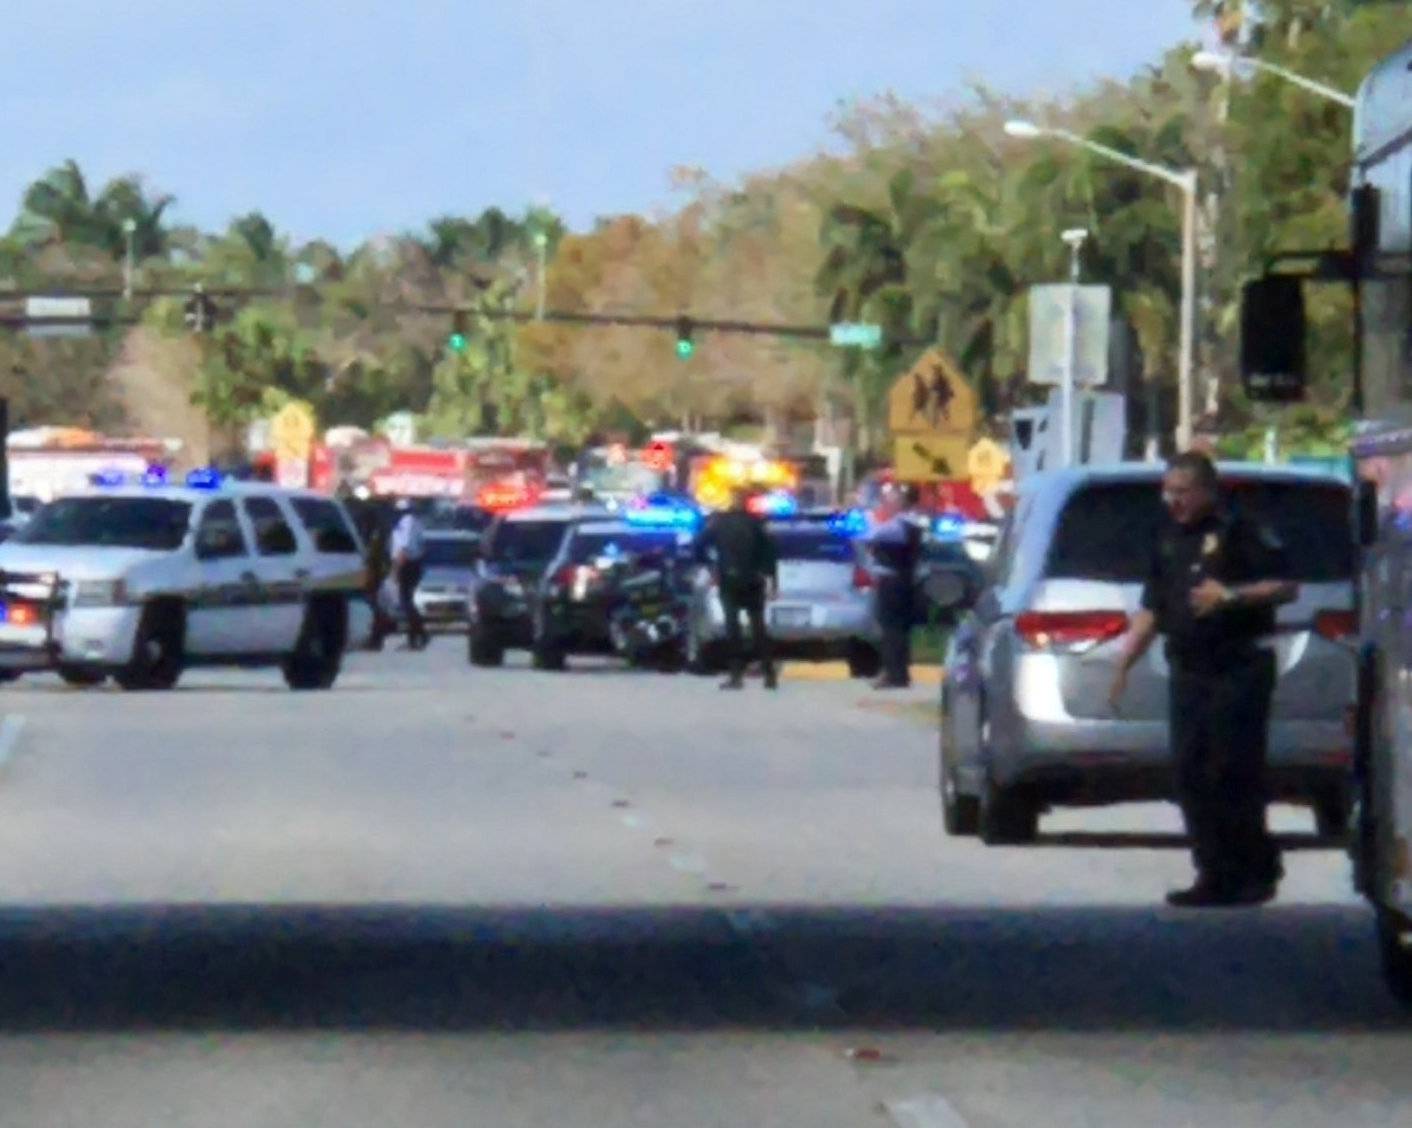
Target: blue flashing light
column 776, row 503
column 204, row 479
column 109, row 479
column 154, row 475
column 949, row 527
column 850, row 523
column 662, row 511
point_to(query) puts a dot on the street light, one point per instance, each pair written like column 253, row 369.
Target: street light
column 1221, row 62
column 1074, row 239
column 541, row 246
column 130, row 231
column 1185, row 179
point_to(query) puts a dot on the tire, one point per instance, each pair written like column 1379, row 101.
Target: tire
column 1396, row 956
column 156, row 652
column 1008, row 817
column 702, row 658
column 318, row 655
column 864, row 661
column 544, row 655
column 484, row 649
column 960, row 814
column 1332, row 811
column 81, row 677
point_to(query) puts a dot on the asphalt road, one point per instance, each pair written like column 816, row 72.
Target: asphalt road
column 438, row 896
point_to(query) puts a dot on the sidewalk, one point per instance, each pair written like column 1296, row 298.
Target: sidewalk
column 838, row 671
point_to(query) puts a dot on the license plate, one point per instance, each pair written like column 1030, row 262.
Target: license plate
column 790, row 617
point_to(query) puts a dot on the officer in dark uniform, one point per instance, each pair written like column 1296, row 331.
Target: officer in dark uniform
column 896, row 547
column 1212, row 592
column 746, row 567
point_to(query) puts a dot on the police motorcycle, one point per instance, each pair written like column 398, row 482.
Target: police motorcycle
column 649, row 610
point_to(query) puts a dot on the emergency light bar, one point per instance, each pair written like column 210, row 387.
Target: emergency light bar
column 776, row 503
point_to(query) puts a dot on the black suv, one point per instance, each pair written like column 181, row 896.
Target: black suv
column 515, row 552
column 591, row 577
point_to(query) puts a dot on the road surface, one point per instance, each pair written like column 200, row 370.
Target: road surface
column 444, row 896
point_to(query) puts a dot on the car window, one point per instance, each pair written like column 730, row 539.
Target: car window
column 1107, row 530
column 159, row 524
column 590, row 546
column 817, row 545
column 327, row 527
column 526, row 542
column 219, row 535
column 449, row 552
column 273, row 536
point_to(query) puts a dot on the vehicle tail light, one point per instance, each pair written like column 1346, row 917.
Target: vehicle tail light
column 564, row 577
column 862, row 578
column 1069, row 630
column 1337, row 626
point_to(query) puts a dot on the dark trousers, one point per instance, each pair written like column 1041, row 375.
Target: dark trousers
column 895, row 612
column 409, row 575
column 749, row 598
column 1220, row 732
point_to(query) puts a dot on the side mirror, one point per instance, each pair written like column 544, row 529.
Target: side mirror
column 1272, row 340
column 1366, row 516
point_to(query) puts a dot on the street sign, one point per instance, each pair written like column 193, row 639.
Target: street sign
column 987, row 465
column 1100, row 430
column 1049, row 340
column 855, row 335
column 933, row 399
column 292, row 432
column 929, row 458
column 66, row 317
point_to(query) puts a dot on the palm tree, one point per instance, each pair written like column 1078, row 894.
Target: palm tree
column 58, row 208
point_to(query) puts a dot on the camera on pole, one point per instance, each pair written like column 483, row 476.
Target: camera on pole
column 199, row 312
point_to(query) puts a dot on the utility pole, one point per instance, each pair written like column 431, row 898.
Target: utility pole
column 541, row 246
column 1075, row 239
column 130, row 262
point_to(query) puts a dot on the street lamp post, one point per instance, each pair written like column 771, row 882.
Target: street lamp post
column 129, row 230
column 1186, row 180
column 1075, row 240
column 1224, row 63
column 541, row 246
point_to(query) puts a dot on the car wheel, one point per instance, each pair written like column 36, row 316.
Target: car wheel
column 1396, row 955
column 960, row 814
column 1332, row 813
column 864, row 661
column 1008, row 817
column 156, row 652
column 545, row 655
column 484, row 649
column 318, row 655
column 82, row 677
column 702, row 657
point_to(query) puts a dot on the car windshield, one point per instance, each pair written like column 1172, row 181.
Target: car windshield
column 152, row 523
column 526, row 542
column 587, row 547
column 449, row 552
column 1108, row 529
column 815, row 545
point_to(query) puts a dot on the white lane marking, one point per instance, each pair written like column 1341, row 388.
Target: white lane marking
column 10, row 729
column 930, row 1110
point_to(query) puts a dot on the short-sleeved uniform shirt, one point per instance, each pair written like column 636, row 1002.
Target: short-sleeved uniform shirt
column 1224, row 547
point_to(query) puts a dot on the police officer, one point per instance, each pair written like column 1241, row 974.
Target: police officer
column 407, row 549
column 745, row 567
column 896, row 547
column 1212, row 592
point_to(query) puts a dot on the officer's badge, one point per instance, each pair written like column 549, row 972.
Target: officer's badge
column 1211, row 545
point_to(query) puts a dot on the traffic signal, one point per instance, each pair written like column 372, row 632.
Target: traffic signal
column 686, row 347
column 459, row 339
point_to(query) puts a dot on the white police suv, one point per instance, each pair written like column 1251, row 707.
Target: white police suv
column 139, row 582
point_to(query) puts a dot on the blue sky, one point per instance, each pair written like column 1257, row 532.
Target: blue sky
column 348, row 118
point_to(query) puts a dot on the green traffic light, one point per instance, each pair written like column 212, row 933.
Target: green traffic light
column 457, row 342
column 685, row 348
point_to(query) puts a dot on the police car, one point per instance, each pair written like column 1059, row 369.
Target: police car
column 139, row 582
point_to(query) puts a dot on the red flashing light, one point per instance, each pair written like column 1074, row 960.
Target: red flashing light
column 1336, row 626
column 501, row 497
column 659, row 456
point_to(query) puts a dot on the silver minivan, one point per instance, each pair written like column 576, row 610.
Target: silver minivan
column 1026, row 724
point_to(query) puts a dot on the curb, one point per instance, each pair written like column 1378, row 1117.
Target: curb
column 838, row 672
